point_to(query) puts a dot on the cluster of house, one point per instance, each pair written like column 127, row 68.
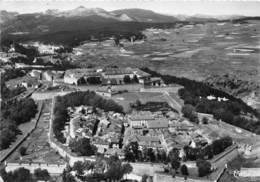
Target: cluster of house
column 106, row 76
column 110, row 131
column 34, row 78
column 155, row 130
column 104, row 129
column 113, row 76
column 5, row 57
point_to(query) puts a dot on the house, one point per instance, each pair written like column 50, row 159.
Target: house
column 25, row 81
column 107, row 92
column 113, row 151
column 52, row 75
column 45, row 49
column 102, row 145
column 155, row 81
column 142, row 76
column 172, row 140
column 36, row 74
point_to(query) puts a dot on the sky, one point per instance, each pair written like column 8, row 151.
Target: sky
column 190, row 7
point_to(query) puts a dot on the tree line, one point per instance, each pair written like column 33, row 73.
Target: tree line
column 24, row 175
column 109, row 169
column 12, row 114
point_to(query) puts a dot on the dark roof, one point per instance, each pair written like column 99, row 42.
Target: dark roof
column 140, row 73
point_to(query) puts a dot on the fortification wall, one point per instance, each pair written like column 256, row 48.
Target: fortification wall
column 159, row 177
column 223, row 158
column 53, row 169
column 47, row 95
column 63, row 150
column 173, row 89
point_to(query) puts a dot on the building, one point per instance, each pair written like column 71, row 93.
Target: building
column 52, row 75
column 115, row 76
column 158, row 123
column 82, row 76
column 36, row 74
column 45, row 49
column 148, row 120
column 107, row 92
column 25, row 81
column 155, row 81
column 142, row 76
column 140, row 119
column 109, row 76
column 147, row 141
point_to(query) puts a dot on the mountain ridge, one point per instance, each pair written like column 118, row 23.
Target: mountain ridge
column 132, row 14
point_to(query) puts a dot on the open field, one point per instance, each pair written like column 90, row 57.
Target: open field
column 125, row 99
column 195, row 52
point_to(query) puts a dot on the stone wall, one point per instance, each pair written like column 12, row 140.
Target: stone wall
column 60, row 148
column 162, row 177
column 223, row 158
column 173, row 89
column 47, row 95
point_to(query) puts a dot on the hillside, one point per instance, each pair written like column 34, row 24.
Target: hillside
column 76, row 25
column 69, row 30
column 7, row 16
column 142, row 15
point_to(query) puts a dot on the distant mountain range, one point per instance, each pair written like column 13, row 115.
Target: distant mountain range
column 73, row 26
column 125, row 15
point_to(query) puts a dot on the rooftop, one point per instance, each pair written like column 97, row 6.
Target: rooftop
column 117, row 71
column 140, row 73
column 158, row 123
column 81, row 72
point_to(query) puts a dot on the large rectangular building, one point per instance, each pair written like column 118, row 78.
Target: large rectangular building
column 148, row 120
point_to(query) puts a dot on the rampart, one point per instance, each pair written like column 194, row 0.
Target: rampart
column 223, row 158
column 173, row 89
column 61, row 149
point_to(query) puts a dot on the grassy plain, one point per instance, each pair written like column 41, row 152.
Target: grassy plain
column 194, row 52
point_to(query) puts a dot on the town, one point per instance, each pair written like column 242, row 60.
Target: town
column 70, row 122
